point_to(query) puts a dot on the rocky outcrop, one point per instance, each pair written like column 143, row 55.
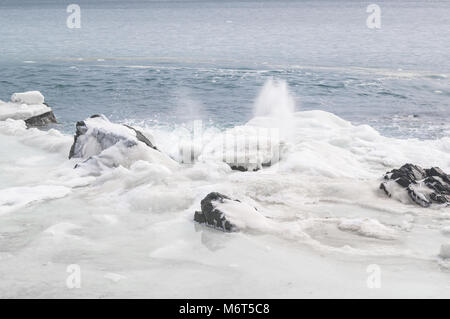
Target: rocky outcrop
column 227, row 214
column 423, row 186
column 97, row 133
column 212, row 216
column 141, row 137
column 41, row 120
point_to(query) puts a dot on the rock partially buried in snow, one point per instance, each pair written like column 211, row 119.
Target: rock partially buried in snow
column 211, row 216
column 224, row 213
column 423, row 186
column 27, row 106
column 97, row 133
column 103, row 145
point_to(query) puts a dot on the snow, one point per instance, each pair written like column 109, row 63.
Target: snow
column 308, row 226
column 23, row 106
column 243, row 216
column 367, row 227
column 102, row 134
column 30, row 97
column 106, row 145
column 445, row 251
column 14, row 198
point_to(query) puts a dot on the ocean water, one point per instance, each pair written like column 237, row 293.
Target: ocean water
column 176, row 61
column 350, row 103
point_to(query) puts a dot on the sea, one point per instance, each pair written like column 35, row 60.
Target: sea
column 357, row 88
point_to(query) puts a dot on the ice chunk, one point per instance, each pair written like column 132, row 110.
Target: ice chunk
column 30, row 98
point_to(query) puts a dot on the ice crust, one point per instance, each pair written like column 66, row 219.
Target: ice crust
column 309, row 225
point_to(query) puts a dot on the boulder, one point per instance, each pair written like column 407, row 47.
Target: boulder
column 41, row 120
column 423, row 186
column 97, row 133
column 29, row 107
column 227, row 214
column 212, row 216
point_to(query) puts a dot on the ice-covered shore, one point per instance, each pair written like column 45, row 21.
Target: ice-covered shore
column 322, row 219
column 27, row 106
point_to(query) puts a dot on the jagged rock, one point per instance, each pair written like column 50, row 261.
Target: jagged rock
column 41, row 120
column 227, row 214
column 212, row 216
column 424, row 186
column 141, row 137
column 97, row 133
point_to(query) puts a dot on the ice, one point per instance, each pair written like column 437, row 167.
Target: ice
column 446, row 230
column 23, row 106
column 30, row 97
column 243, row 216
column 114, row 277
column 445, row 251
column 17, row 197
column 309, row 225
column 367, row 227
column 15, row 111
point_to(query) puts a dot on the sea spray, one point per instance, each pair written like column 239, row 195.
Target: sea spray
column 276, row 102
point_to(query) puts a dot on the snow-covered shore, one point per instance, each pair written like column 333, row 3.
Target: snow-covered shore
column 322, row 220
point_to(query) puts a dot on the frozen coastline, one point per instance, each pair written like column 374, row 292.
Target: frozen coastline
column 130, row 227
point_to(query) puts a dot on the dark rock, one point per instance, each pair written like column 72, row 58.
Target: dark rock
column 212, row 216
column 424, row 186
column 241, row 168
column 103, row 137
column 41, row 120
column 141, row 137
column 80, row 129
column 245, row 168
